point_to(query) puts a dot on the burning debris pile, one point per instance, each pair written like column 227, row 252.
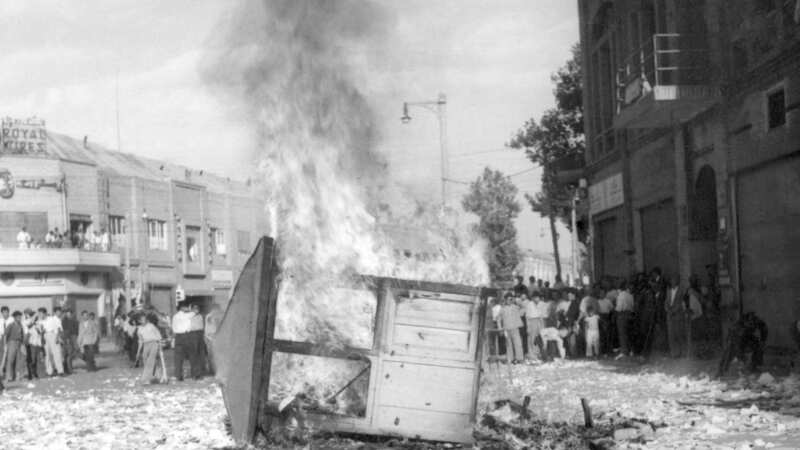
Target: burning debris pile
column 293, row 67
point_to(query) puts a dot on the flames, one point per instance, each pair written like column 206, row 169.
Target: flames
column 292, row 67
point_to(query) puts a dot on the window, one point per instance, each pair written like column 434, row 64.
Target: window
column 193, row 244
column 776, row 108
column 243, row 242
column 218, row 242
column 157, row 234
column 116, row 227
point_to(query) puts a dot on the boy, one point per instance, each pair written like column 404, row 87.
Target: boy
column 592, row 322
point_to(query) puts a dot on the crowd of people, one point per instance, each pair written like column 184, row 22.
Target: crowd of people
column 32, row 339
column 144, row 333
column 612, row 318
column 89, row 239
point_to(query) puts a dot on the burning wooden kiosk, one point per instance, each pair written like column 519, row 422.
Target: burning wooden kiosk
column 417, row 377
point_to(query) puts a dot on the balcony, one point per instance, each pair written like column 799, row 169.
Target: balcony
column 667, row 81
column 56, row 260
column 569, row 169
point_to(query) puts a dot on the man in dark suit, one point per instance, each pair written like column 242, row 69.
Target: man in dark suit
column 676, row 311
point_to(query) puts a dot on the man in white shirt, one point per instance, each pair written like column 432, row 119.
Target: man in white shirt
column 185, row 347
column 535, row 313
column 624, row 312
column 23, row 238
column 605, row 304
column 52, row 343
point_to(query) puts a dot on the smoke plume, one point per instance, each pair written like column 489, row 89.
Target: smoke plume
column 293, row 68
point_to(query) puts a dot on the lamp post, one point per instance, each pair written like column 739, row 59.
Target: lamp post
column 439, row 108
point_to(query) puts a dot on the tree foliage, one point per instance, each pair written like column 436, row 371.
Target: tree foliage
column 493, row 198
column 556, row 136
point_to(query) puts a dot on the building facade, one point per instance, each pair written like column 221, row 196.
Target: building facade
column 169, row 227
column 692, row 114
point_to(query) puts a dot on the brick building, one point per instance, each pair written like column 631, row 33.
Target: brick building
column 186, row 228
column 693, row 145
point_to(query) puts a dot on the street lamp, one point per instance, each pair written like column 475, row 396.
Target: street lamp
column 439, row 108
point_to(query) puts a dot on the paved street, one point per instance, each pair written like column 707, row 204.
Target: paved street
column 686, row 409
column 107, row 409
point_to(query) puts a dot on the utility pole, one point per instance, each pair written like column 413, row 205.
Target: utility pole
column 439, row 108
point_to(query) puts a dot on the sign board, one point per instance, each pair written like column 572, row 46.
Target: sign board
column 222, row 278
column 8, row 184
column 180, row 294
column 23, row 137
column 606, row 194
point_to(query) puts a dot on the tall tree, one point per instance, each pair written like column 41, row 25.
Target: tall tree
column 493, row 198
column 556, row 137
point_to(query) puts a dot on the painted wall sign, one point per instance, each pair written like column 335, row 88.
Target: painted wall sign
column 8, row 184
column 23, row 136
column 606, row 194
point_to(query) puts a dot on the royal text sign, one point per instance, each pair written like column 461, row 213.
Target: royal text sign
column 23, row 137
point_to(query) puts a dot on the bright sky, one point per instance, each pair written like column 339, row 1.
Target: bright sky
column 62, row 60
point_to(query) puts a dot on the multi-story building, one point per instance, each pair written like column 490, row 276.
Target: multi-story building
column 692, row 114
column 169, row 226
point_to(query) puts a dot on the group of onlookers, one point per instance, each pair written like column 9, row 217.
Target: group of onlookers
column 31, row 338
column 621, row 318
column 144, row 333
column 93, row 240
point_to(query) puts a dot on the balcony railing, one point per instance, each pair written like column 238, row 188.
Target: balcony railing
column 54, row 259
column 669, row 59
column 671, row 69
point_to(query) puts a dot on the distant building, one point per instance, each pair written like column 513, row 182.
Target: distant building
column 169, row 226
column 692, row 118
column 542, row 266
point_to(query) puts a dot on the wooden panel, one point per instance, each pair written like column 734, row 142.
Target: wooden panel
column 426, row 387
column 421, row 311
column 439, row 339
column 239, row 354
column 425, row 424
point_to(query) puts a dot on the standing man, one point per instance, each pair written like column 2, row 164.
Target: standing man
column 519, row 288
column 624, row 312
column 182, row 328
column 605, row 306
column 198, row 347
column 24, row 238
column 87, row 338
column 53, row 338
column 4, row 320
column 35, row 341
column 71, row 328
column 511, row 323
column 534, row 315
column 14, row 335
column 213, row 319
column 675, row 308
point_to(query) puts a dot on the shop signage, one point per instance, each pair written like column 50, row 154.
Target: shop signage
column 23, row 137
column 606, row 194
column 8, row 184
column 222, row 278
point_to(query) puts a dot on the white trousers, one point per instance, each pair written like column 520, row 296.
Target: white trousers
column 52, row 354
